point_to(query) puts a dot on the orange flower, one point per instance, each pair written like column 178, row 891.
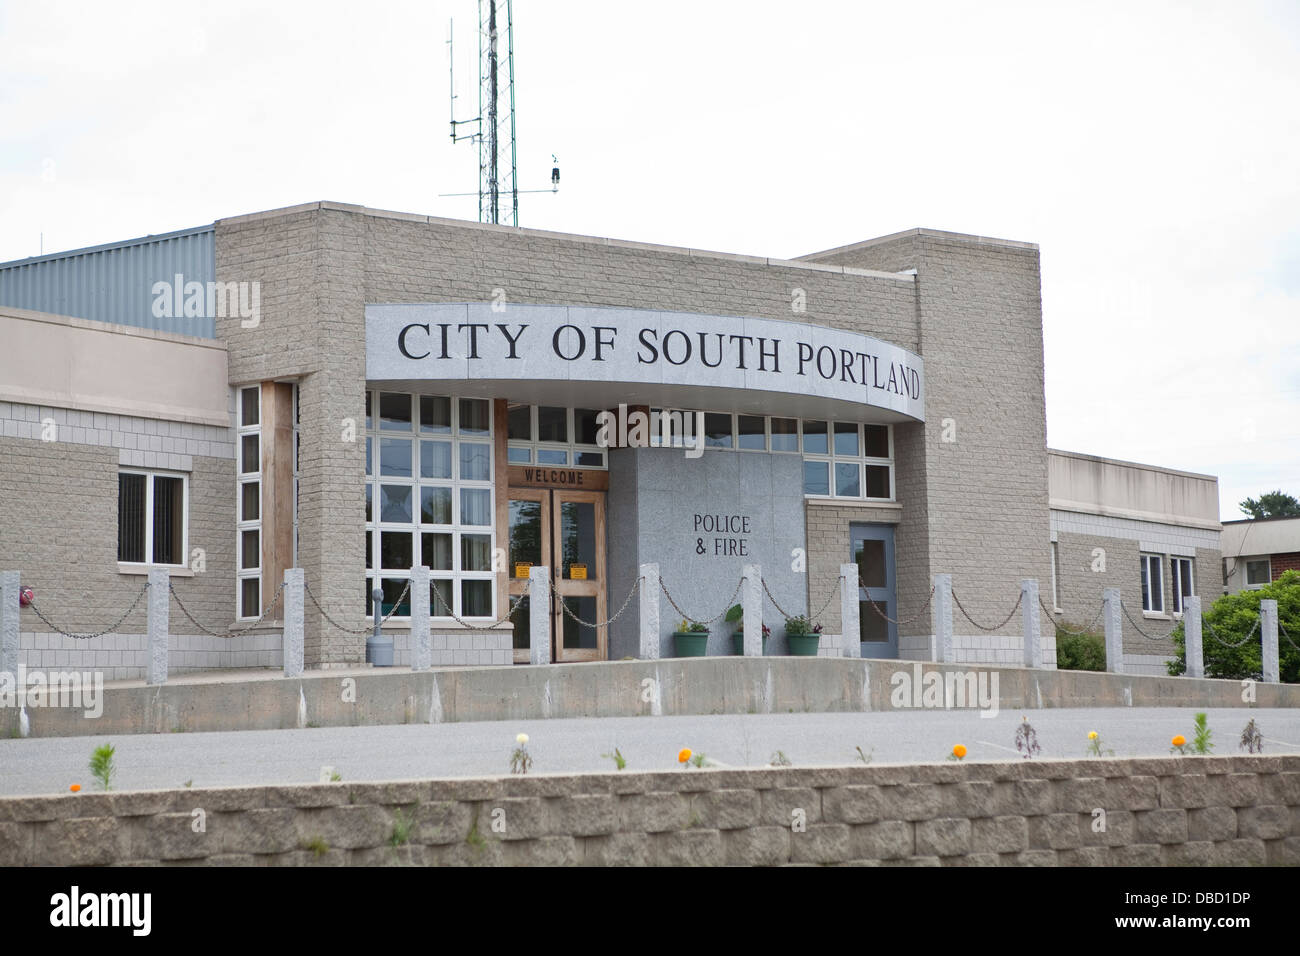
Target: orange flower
column 684, row 755
column 75, row 788
column 1178, row 740
column 959, row 751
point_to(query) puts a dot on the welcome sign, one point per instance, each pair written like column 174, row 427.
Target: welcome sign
column 477, row 341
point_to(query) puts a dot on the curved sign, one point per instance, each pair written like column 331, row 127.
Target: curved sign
column 495, row 341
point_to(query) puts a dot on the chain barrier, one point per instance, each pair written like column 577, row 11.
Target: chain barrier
column 835, row 590
column 86, row 637
column 691, row 620
column 565, row 607
column 464, row 623
column 1065, row 630
column 782, row 611
column 1224, row 642
column 995, row 627
column 1286, row 635
column 1150, row 637
column 229, row 632
column 903, row 622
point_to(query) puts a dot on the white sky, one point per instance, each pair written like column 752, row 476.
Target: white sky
column 1151, row 149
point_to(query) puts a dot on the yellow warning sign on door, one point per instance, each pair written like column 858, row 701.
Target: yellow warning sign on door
column 577, row 572
column 521, row 568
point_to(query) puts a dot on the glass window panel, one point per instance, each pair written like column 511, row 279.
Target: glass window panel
column 847, row 480
column 435, row 415
column 249, row 595
column 168, row 520
column 520, row 456
column 367, row 401
column 248, row 410
column 130, row 517
column 395, row 503
column 370, row 502
column 578, row 537
column 475, row 416
column 250, row 555
column 871, row 626
column 814, row 438
column 523, row 635
column 1257, row 572
column 435, row 551
column 440, row 592
column 248, row 454
column 785, row 434
column 519, row 423
column 369, row 455
column 552, row 456
column 870, row 558
column 370, row 549
column 476, row 599
column 396, row 549
column 475, row 506
column 553, row 424
column 393, row 588
column 475, row 461
column 846, row 439
column 877, row 481
column 876, row 440
column 395, row 457
column 435, row 505
column 717, row 430
column 476, row 552
column 816, row 478
column 580, row 635
column 589, row 459
column 525, row 533
column 584, row 423
column 394, row 412
column 751, row 432
column 435, row 459
column 250, row 500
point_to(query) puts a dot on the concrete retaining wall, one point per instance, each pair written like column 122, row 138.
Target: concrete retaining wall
column 1199, row 811
column 674, row 686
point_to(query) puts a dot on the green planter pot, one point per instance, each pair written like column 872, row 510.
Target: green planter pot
column 738, row 643
column 691, row 643
column 803, row 645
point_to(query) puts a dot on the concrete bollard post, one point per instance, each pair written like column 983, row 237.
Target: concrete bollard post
column 941, row 617
column 1192, row 636
column 850, row 609
column 159, row 604
column 9, row 617
column 1268, row 634
column 649, row 601
column 751, row 602
column 1033, row 623
column 1110, row 615
column 421, row 641
column 539, row 615
column 292, row 644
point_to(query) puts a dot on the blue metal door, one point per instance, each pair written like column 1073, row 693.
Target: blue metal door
column 872, row 550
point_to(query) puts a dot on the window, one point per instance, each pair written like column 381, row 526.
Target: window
column 429, row 496
column 248, row 516
column 151, row 517
column 1153, row 593
column 1180, row 578
column 1056, row 577
column 848, row 460
column 553, row 435
column 1258, row 572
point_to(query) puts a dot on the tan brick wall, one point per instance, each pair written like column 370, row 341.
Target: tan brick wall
column 1208, row 811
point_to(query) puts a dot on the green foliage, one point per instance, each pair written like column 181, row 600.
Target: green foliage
column 865, row 758
column 1231, row 618
column 101, row 765
column 692, row 627
column 619, row 760
column 520, row 759
column 735, row 613
column 474, row 838
column 1079, row 652
column 402, row 825
column 1273, row 504
column 335, row 776
column 779, row 759
column 1201, row 736
column 1252, row 741
column 316, row 845
column 800, row 625
column 698, row 759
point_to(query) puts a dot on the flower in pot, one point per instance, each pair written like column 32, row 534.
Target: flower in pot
column 691, row 638
column 736, row 618
column 802, row 635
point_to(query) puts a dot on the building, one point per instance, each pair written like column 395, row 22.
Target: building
column 1257, row 551
column 353, row 391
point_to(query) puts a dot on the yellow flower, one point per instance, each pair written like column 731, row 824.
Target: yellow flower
column 1092, row 735
column 1178, row 740
column 684, row 755
column 959, row 751
column 521, row 739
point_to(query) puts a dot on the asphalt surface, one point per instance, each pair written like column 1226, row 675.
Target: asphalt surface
column 155, row 761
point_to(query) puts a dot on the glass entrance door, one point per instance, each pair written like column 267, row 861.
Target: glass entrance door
column 565, row 531
column 872, row 549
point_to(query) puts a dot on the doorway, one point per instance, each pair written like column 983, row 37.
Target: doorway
column 564, row 530
column 872, row 550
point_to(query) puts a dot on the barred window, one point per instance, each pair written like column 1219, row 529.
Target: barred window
column 151, row 513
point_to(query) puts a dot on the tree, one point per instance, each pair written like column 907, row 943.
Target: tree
column 1274, row 504
column 1234, row 616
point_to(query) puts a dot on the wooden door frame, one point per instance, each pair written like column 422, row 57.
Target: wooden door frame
column 517, row 586
column 560, row 587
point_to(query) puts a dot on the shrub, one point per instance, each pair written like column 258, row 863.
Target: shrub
column 1230, row 619
column 1080, row 652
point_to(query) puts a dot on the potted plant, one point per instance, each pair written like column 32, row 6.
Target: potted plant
column 736, row 617
column 802, row 635
column 691, row 639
